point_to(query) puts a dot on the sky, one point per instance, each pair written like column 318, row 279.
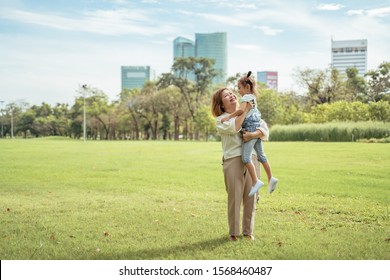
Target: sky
column 49, row 48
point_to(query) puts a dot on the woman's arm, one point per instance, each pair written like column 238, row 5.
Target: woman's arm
column 246, row 136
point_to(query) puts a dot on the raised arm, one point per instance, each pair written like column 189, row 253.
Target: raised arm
column 236, row 113
column 245, row 107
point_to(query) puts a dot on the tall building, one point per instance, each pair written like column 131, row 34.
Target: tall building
column 214, row 46
column 183, row 47
column 269, row 78
column 208, row 45
column 350, row 54
column 136, row 76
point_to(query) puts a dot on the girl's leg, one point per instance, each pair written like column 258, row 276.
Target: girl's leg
column 252, row 172
column 272, row 181
column 246, row 159
column 261, row 156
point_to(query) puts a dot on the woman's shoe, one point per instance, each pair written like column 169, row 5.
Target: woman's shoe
column 232, row 238
column 250, row 237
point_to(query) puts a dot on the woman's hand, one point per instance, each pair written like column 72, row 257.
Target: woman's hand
column 247, row 136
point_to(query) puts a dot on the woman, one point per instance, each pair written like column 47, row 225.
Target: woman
column 237, row 180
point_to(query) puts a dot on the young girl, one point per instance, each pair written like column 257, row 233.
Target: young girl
column 247, row 89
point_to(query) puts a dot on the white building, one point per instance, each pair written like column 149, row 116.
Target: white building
column 350, row 54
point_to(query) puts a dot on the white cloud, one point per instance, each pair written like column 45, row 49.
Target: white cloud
column 268, row 30
column 107, row 22
column 380, row 12
column 226, row 20
column 329, row 7
column 376, row 13
column 246, row 47
column 355, row 12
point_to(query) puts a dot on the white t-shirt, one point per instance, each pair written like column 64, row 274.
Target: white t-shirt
column 249, row 98
column 230, row 137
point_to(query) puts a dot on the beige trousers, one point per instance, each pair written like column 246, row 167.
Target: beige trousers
column 238, row 184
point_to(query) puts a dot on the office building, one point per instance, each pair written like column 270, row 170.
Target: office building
column 269, row 78
column 183, row 47
column 208, row 45
column 136, row 76
column 350, row 54
column 214, row 46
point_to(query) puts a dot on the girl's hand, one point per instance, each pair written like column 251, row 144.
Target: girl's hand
column 249, row 106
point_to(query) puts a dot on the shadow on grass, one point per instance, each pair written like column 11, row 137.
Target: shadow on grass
column 188, row 251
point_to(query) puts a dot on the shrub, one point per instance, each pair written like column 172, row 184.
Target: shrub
column 330, row 132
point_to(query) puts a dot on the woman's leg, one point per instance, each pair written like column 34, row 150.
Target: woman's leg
column 235, row 180
column 249, row 203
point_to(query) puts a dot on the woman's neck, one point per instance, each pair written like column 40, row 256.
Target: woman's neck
column 231, row 109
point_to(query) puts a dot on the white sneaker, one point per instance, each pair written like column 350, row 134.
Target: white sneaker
column 272, row 184
column 256, row 188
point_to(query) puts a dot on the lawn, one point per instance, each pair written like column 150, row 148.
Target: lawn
column 66, row 199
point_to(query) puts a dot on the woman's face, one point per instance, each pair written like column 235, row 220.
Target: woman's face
column 229, row 101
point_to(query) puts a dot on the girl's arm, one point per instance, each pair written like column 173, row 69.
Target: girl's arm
column 246, row 107
column 236, row 113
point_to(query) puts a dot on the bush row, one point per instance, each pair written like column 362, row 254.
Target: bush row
column 330, row 132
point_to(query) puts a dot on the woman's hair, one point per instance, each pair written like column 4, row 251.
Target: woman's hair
column 216, row 104
column 249, row 80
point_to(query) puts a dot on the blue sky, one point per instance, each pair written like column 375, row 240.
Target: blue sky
column 48, row 48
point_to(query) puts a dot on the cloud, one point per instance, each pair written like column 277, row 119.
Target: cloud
column 246, row 47
column 106, row 22
column 355, row 12
column 329, row 7
column 226, row 20
column 380, row 12
column 375, row 13
column 268, row 30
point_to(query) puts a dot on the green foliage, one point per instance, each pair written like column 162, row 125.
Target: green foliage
column 143, row 200
column 330, row 132
column 379, row 82
column 351, row 111
column 175, row 106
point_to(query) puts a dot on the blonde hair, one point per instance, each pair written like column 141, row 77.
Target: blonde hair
column 249, row 80
column 216, row 103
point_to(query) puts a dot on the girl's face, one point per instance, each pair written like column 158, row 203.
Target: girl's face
column 229, row 101
column 242, row 90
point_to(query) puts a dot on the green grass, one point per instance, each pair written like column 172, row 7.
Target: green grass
column 67, row 199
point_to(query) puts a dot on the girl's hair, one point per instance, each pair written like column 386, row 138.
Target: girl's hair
column 216, row 104
column 249, row 80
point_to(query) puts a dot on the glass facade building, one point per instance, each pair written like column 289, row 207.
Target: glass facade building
column 350, row 54
column 183, row 47
column 208, row 45
column 213, row 46
column 136, row 76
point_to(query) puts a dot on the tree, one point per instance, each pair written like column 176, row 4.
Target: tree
column 321, row 86
column 355, row 85
column 193, row 92
column 379, row 82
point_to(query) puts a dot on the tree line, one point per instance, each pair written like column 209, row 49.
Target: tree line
column 177, row 105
